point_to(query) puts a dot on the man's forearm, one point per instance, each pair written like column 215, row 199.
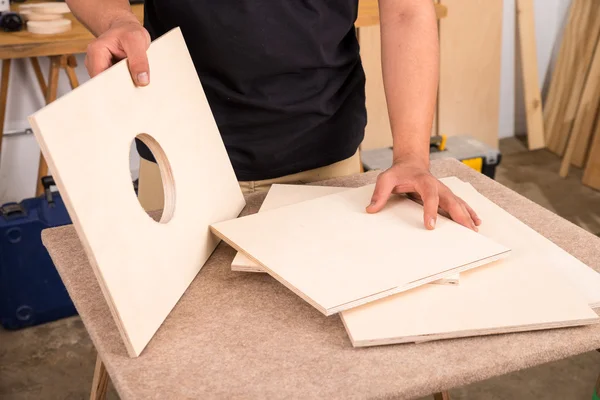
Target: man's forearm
column 410, row 64
column 97, row 16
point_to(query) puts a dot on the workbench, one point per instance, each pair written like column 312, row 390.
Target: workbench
column 241, row 335
column 61, row 49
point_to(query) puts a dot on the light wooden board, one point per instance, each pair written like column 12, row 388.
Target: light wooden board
column 586, row 115
column 577, row 48
column 582, row 277
column 529, row 70
column 281, row 195
column 470, row 58
column 529, row 290
column 591, row 174
column 334, row 255
column 143, row 266
column 378, row 132
column 583, row 127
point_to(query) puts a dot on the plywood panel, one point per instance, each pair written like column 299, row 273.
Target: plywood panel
column 577, row 48
column 591, row 174
column 336, row 256
column 143, row 266
column 281, row 195
column 470, row 47
column 535, row 288
column 583, row 128
column 529, row 70
column 586, row 115
column 378, row 132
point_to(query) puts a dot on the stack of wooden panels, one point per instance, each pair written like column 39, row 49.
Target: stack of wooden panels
column 327, row 250
column 507, row 295
column 573, row 102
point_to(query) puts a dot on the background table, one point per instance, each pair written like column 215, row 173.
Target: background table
column 60, row 48
column 245, row 335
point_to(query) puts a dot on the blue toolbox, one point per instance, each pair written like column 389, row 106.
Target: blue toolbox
column 31, row 291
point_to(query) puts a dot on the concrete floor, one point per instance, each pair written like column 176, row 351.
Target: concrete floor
column 56, row 360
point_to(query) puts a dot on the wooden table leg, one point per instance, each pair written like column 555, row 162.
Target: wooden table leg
column 51, row 93
column 441, row 395
column 3, row 96
column 38, row 73
column 70, row 70
column 100, row 382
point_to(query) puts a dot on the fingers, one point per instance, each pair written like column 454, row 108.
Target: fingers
column 471, row 212
column 135, row 43
column 428, row 191
column 383, row 189
column 98, row 58
column 454, row 206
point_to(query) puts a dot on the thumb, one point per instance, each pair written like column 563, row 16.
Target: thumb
column 381, row 194
column 135, row 47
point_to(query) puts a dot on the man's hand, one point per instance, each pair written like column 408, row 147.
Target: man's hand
column 125, row 38
column 413, row 177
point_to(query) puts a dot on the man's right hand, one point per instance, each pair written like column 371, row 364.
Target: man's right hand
column 125, row 38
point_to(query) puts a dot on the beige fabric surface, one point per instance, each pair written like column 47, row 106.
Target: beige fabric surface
column 240, row 335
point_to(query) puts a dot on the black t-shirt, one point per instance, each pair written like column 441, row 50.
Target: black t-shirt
column 283, row 78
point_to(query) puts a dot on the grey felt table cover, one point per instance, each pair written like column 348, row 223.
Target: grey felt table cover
column 240, row 335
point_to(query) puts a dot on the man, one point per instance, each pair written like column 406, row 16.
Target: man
column 286, row 86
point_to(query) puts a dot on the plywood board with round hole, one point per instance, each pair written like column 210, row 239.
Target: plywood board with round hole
column 539, row 286
column 143, row 266
column 336, row 256
column 281, row 195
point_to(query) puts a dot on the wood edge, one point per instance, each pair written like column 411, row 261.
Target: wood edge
column 418, row 283
column 82, row 237
column 309, row 300
column 239, row 267
column 477, row 332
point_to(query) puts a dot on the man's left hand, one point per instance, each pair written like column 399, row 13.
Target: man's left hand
column 412, row 176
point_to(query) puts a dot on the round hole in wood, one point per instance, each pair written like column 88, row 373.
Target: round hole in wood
column 156, row 186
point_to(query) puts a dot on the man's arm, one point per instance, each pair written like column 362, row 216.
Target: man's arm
column 119, row 35
column 410, row 65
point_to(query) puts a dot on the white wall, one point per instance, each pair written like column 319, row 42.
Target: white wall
column 550, row 16
column 20, row 154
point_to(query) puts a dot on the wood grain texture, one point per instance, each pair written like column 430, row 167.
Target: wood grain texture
column 100, row 381
column 470, row 49
column 39, row 75
column 577, row 48
column 281, row 195
column 591, row 174
column 4, row 81
column 584, row 124
column 336, row 256
column 523, row 292
column 585, row 117
column 529, row 70
column 378, row 132
column 143, row 266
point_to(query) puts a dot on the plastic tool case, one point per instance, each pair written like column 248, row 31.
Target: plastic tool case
column 31, row 291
